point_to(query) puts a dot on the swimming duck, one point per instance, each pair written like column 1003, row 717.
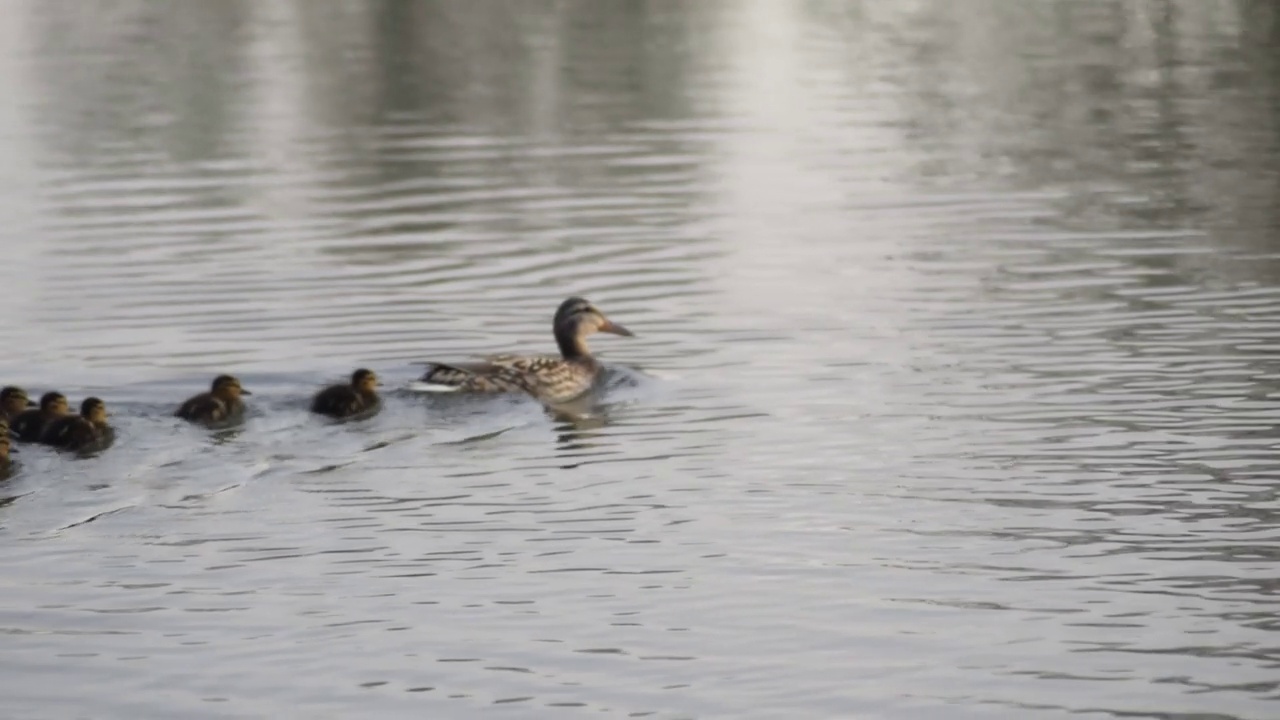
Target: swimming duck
column 360, row 397
column 29, row 425
column 220, row 406
column 6, row 465
column 87, row 431
column 13, row 400
column 548, row 378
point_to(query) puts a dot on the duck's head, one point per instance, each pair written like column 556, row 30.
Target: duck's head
column 365, row 381
column 94, row 410
column 14, row 400
column 577, row 318
column 227, row 387
column 53, row 403
column 585, row 319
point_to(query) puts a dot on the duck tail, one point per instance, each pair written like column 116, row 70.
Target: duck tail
column 440, row 378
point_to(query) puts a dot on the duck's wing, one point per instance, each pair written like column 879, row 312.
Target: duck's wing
column 337, row 401
column 204, row 408
column 494, row 374
column 27, row 426
column 57, row 431
column 70, row 432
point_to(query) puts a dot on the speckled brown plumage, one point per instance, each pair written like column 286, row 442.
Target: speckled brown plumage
column 219, row 407
column 548, row 378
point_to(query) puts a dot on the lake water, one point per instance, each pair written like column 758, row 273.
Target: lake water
column 953, row 393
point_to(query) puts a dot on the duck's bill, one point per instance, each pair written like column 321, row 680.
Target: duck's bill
column 610, row 326
column 245, row 392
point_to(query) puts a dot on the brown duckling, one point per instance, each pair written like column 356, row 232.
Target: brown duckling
column 548, row 378
column 6, row 465
column 13, row 400
column 359, row 398
column 29, row 425
column 220, row 406
column 84, row 432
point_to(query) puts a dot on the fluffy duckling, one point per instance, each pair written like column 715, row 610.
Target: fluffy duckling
column 548, row 378
column 359, row 398
column 30, row 425
column 6, row 465
column 84, row 432
column 13, row 401
column 219, row 407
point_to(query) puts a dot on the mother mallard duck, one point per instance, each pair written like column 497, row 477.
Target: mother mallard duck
column 547, row 377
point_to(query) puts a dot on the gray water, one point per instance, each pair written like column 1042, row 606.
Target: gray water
column 952, row 396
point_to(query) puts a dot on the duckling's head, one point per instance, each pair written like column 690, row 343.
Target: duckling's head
column 365, row 381
column 94, row 410
column 53, row 403
column 14, row 400
column 228, row 387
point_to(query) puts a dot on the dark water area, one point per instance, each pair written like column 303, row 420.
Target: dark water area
column 953, row 391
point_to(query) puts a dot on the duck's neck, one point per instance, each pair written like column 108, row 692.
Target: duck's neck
column 573, row 345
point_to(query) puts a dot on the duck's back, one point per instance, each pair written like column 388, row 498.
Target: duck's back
column 339, row 401
column 546, row 377
column 74, row 432
column 206, row 408
column 498, row 373
column 28, row 425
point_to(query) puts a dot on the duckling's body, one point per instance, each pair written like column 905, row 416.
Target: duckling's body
column 30, row 425
column 13, row 402
column 357, row 399
column 85, row 432
column 548, row 378
column 6, row 465
column 219, row 407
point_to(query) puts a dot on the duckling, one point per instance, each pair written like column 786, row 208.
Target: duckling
column 13, row 400
column 84, row 432
column 220, row 406
column 359, row 398
column 6, row 465
column 548, row 378
column 29, row 425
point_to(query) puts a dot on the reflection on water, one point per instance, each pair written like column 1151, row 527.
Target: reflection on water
column 951, row 396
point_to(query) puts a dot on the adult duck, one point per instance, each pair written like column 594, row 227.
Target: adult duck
column 547, row 377
column 221, row 406
column 359, row 398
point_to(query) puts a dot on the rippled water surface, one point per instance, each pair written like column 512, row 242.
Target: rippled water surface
column 953, row 393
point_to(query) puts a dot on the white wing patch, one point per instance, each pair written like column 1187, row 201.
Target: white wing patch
column 426, row 387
